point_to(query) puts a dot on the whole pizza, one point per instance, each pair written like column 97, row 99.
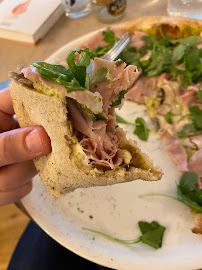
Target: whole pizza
column 168, row 54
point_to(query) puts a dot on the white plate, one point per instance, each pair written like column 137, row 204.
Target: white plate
column 117, row 209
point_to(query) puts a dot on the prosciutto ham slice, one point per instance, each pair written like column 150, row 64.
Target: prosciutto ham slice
column 194, row 165
column 99, row 139
column 121, row 78
column 145, row 87
column 180, row 157
column 97, row 39
column 137, row 42
column 190, row 96
column 175, row 149
column 87, row 98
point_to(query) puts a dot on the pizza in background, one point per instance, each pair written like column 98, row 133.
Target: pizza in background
column 168, row 54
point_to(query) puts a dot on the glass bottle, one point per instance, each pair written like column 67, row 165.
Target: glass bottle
column 113, row 10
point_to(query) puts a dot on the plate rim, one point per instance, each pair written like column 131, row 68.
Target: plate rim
column 61, row 50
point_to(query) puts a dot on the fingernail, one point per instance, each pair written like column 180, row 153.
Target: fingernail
column 33, row 142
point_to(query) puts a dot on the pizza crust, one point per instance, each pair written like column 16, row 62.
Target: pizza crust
column 175, row 27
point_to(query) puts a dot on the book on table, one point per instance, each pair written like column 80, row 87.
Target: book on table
column 28, row 21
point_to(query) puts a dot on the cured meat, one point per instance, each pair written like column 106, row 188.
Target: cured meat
column 97, row 137
column 94, row 41
column 121, row 78
column 175, row 149
column 87, row 98
column 137, row 42
column 190, row 96
column 144, row 87
column 195, row 163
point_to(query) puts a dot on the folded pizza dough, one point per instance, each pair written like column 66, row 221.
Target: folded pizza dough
column 67, row 167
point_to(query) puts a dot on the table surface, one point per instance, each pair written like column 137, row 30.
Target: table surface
column 13, row 54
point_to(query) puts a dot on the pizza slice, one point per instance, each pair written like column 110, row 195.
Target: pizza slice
column 77, row 111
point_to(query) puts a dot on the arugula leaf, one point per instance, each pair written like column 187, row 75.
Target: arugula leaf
column 53, row 71
column 179, row 56
column 134, row 241
column 197, row 73
column 100, row 51
column 149, row 38
column 84, row 60
column 192, row 59
column 109, row 36
column 60, row 75
column 73, row 79
column 187, row 78
column 168, row 117
column 198, row 196
column 102, row 74
column 199, row 95
column 188, row 130
column 194, row 128
column 140, row 127
column 144, row 63
column 118, row 101
column 178, row 53
column 189, row 41
column 161, row 57
column 98, row 116
column 79, row 69
column 120, row 120
column 187, row 192
column 188, row 201
column 196, row 115
column 141, row 130
column 130, row 56
column 188, row 182
column 152, row 234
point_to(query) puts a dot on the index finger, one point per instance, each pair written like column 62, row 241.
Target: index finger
column 7, row 121
column 6, row 105
column 23, row 144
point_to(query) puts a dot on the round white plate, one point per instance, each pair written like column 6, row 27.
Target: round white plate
column 117, row 209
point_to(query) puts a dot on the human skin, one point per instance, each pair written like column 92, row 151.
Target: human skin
column 18, row 146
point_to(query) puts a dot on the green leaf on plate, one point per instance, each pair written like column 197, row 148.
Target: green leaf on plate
column 120, row 120
column 141, row 129
column 152, row 234
column 118, row 101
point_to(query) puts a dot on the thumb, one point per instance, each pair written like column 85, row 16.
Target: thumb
column 23, row 144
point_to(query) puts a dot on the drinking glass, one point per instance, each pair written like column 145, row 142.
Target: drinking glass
column 76, row 8
column 186, row 8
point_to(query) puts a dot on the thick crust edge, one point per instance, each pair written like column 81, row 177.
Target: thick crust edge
column 175, row 27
